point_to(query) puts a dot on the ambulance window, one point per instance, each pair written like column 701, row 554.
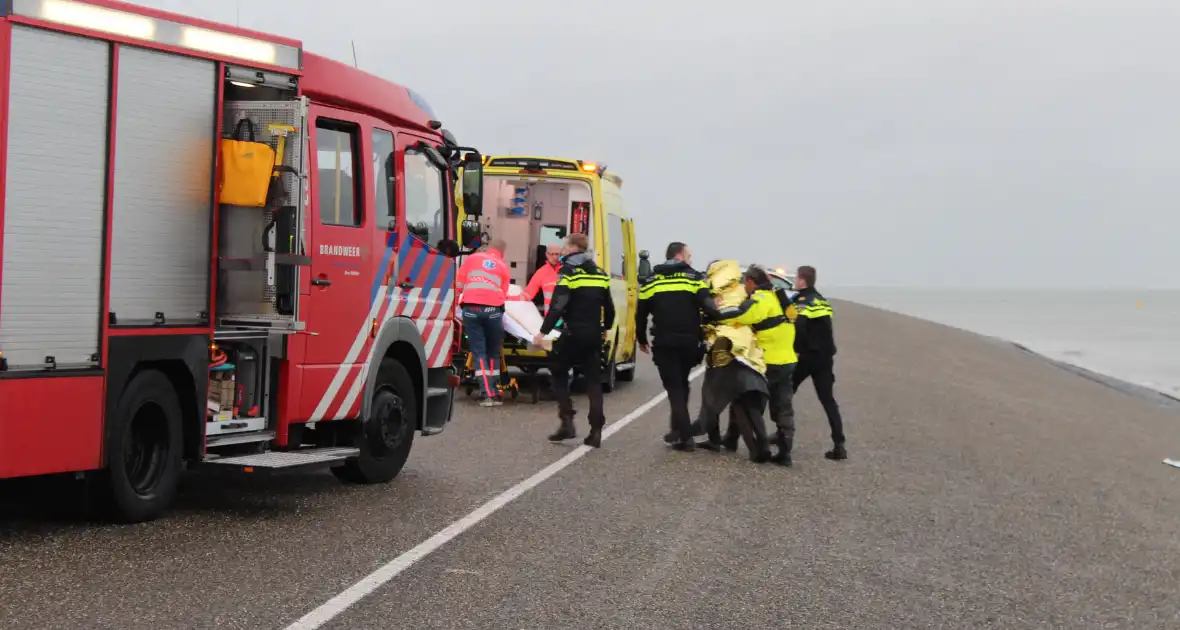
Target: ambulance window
column 384, row 177
column 616, row 247
column 336, row 144
column 425, row 203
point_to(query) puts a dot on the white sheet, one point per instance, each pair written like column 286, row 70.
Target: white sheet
column 522, row 319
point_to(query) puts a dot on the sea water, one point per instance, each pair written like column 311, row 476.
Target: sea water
column 1130, row 335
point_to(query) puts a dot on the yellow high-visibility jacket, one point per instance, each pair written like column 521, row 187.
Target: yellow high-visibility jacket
column 763, row 313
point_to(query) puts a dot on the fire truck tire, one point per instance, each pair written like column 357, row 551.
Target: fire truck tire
column 144, row 453
column 387, row 435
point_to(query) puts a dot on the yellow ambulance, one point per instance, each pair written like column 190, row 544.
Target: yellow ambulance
column 532, row 202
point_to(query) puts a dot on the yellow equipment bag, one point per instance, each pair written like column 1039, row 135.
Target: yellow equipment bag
column 246, row 168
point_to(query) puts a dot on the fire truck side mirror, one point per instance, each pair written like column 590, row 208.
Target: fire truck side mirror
column 470, row 235
column 473, row 184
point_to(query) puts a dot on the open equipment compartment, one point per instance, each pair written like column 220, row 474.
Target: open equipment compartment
column 262, row 249
column 260, row 253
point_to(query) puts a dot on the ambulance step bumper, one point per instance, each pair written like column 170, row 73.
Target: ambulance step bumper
column 285, row 461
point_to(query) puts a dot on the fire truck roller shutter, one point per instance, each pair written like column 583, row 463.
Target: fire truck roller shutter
column 55, row 192
column 165, row 138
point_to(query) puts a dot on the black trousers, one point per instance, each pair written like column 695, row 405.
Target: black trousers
column 584, row 351
column 745, row 393
column 780, row 383
column 674, row 364
column 823, row 376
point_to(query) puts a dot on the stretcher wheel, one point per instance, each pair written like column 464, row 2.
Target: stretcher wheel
column 469, row 390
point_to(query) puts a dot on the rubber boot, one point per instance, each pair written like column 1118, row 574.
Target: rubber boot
column 838, row 452
column 783, row 456
column 594, row 440
column 565, row 432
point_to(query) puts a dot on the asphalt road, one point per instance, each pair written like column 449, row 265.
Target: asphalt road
column 986, row 488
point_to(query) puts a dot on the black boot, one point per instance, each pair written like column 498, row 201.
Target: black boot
column 783, row 456
column 683, row 443
column 565, row 432
column 594, row 440
column 672, row 437
column 730, row 441
column 713, row 441
column 685, row 446
column 760, row 454
column 710, row 445
column 838, row 452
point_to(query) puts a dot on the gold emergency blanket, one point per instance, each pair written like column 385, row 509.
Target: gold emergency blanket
column 728, row 342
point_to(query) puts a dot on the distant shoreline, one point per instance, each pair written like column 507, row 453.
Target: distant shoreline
column 1160, row 398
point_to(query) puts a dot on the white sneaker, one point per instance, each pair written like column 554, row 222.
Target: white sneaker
column 488, row 402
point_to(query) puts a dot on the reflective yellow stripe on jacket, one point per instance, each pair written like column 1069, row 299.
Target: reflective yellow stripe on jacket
column 581, row 279
column 815, row 309
column 671, row 282
column 775, row 333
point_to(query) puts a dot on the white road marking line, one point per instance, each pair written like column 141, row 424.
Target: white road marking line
column 1173, row 462
column 332, row 608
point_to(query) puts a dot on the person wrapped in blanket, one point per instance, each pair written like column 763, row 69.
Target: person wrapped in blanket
column 735, row 372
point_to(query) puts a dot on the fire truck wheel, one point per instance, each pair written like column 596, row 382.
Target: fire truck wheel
column 144, row 453
column 387, row 435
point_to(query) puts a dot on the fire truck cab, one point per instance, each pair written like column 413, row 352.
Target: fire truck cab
column 145, row 325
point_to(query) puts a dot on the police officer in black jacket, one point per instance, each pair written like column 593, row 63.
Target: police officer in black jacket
column 583, row 302
column 815, row 344
column 676, row 296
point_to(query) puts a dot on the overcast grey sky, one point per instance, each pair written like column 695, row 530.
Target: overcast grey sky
column 917, row 142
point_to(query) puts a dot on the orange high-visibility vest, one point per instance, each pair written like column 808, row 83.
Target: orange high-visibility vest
column 483, row 279
column 545, row 280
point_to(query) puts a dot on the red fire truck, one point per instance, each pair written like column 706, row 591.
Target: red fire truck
column 145, row 325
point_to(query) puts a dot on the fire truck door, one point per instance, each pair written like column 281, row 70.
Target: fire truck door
column 341, row 262
column 425, row 277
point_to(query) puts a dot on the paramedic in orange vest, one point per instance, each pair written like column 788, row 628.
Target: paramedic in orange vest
column 545, row 280
column 483, row 287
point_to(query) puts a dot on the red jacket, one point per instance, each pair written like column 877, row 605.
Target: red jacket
column 483, row 279
column 544, row 280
